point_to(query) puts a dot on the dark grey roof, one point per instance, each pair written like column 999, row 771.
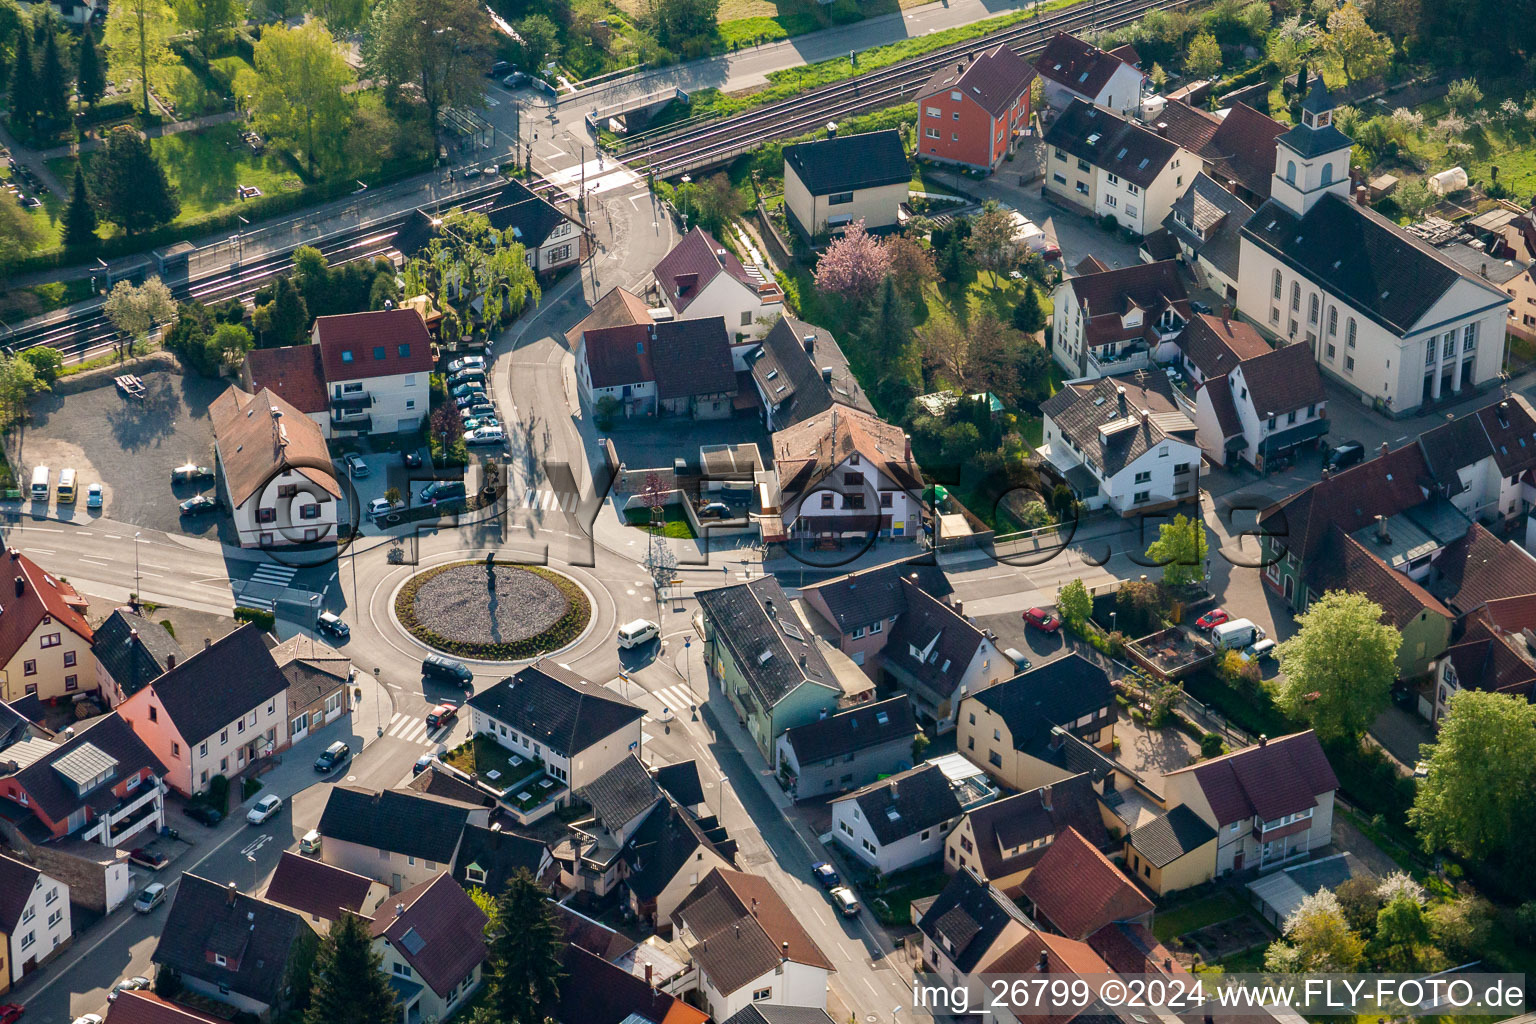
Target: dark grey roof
column 255, row 937
column 622, row 793
column 17, row 880
column 755, row 622
column 1111, row 142
column 49, row 791
column 1362, row 257
column 499, row 853
column 14, row 726
column 853, row 730
column 1479, row 262
column 692, row 357
column 772, row 1013
column 1318, row 98
column 414, row 235
column 871, row 595
column 946, row 643
column 1308, row 141
column 436, row 781
column 1079, row 410
column 1056, row 693
column 594, row 991
column 848, row 162
column 681, row 782
column 220, row 683
column 662, row 846
column 906, row 803
column 1210, row 220
column 790, row 378
column 134, row 650
column 557, row 707
column 1171, row 835
column 397, row 820
column 971, row 915
column 531, row 218
column 314, row 669
column 1015, row 822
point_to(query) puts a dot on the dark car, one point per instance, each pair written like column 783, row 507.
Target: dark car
column 332, row 757
column 198, row 505
column 149, row 859
column 412, row 460
column 422, row 764
column 190, row 473
column 825, row 873
column 435, row 666
column 499, row 69
column 1200, row 307
column 203, row 813
column 1344, row 455
column 330, row 623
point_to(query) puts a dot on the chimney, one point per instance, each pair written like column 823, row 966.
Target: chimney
column 1503, row 413
column 1383, row 447
column 826, row 374
column 170, row 662
column 1361, row 195
column 647, row 974
column 831, row 129
column 1484, row 270
column 754, row 906
column 1226, row 314
column 1381, row 529
column 399, row 909
column 909, row 446
column 1326, row 474
column 802, row 661
column 784, row 948
column 1162, row 128
column 1146, row 414
column 1045, row 796
column 15, row 554
column 21, row 585
column 1044, row 963
column 1263, row 740
column 810, row 343
column 768, row 606
column 1168, row 964
column 207, row 642
column 1120, row 394
column 230, row 892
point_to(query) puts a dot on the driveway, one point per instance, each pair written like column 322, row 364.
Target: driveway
column 1076, row 234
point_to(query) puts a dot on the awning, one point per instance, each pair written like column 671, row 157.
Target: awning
column 1082, row 481
column 1293, row 436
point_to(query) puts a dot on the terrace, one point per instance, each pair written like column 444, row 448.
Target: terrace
column 1170, row 653
column 519, row 782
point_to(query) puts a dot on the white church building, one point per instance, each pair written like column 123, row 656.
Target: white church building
column 1383, row 313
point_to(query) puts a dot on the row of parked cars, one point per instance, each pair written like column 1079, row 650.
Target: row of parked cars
column 467, row 387
column 1229, row 634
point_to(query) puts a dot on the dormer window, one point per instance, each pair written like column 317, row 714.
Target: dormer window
column 475, row 873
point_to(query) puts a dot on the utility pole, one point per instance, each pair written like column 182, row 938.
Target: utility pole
column 137, row 598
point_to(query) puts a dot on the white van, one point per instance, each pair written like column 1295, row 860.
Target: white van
column 40, row 486
column 633, row 634
column 1236, row 633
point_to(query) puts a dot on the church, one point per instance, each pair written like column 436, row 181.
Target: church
column 1384, row 314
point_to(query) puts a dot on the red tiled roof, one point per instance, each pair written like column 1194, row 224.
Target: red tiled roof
column 1511, row 613
column 1486, row 660
column 1243, row 148
column 1346, row 564
column 618, row 308
column 1479, row 568
column 619, row 355
column 449, row 928
column 739, row 926
column 260, row 436
column 692, row 264
column 1189, row 126
column 1078, row 65
column 995, row 79
column 1283, row 380
column 1215, row 344
column 1218, row 390
column 1133, row 949
column 1108, row 295
column 809, row 450
column 1079, row 891
column 1352, row 499
column 381, row 343
column 41, row 594
column 1281, row 776
column 293, row 373
column 140, row 1007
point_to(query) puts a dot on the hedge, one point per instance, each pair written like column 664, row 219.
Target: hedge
column 264, row 619
column 567, row 628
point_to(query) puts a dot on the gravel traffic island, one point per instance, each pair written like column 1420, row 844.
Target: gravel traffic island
column 493, row 611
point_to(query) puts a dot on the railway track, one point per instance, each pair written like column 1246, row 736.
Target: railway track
column 674, row 150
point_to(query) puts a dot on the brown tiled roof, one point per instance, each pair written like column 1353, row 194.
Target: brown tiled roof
column 584, row 933
column 1504, row 430
column 1127, row 53
column 593, row 991
column 1076, row 64
column 1479, row 568
column 1343, row 563
column 448, row 929
column 382, row 343
column 1079, row 410
column 1215, row 344
column 618, row 308
column 313, row 669
column 293, row 372
column 17, row 880
column 812, row 448
column 43, row 594
column 738, row 924
column 315, row 888
column 1132, row 949
column 1079, row 891
column 995, row 79
column 619, row 355
column 1511, row 613
column 1109, row 294
column 1219, row 391
column 1283, row 380
column 255, row 444
column 1281, row 776
column 1189, row 126
column 137, row 1006
column 1064, row 958
column 692, row 357
column 1015, row 822
column 692, row 264
column 1352, row 499
column 1487, row 660
column 1243, row 148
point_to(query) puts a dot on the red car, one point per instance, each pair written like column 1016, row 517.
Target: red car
column 1212, row 618
column 1042, row 620
column 442, row 715
column 10, row 1013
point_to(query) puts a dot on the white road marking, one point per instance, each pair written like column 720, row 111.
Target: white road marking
column 41, row 551
column 94, row 561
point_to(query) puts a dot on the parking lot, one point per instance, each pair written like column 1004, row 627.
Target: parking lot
column 128, row 445
column 653, row 442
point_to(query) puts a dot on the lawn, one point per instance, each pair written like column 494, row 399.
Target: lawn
column 20, row 303
column 1170, row 924
column 484, row 755
column 676, row 524
column 892, row 906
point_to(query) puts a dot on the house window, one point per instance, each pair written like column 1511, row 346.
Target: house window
column 1349, row 364
column 1277, row 284
column 1312, row 310
column 827, row 500
column 288, row 491
column 746, row 318
column 994, row 759
column 1332, row 351
column 1145, row 476
column 176, row 750
column 1290, row 418
column 154, row 713
column 1429, row 354
column 1448, row 349
column 886, row 499
column 1059, row 179
column 224, row 736
column 1083, row 165
column 410, row 403
column 404, row 350
column 869, row 847
column 1349, row 333
column 936, row 112
column 29, row 668
column 378, row 353
column 309, row 511
column 1132, row 188
column 28, row 939
column 1113, row 179
column 1469, row 338
column 1333, row 319
column 760, row 994
column 1140, row 497
column 218, row 958
column 1130, row 210
column 402, row 970
column 839, row 198
column 71, row 683
column 49, row 640
column 1111, row 202
column 932, row 133
column 266, row 515
column 1295, row 295
column 346, row 355
column 1082, row 188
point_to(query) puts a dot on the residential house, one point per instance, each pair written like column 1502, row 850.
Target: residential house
column 322, row 893
column 318, row 683
column 1264, row 408
column 1109, row 166
column 1075, row 69
column 75, row 810
column 141, row 1006
column 398, row 837
column 553, row 240
column 975, row 110
column 489, row 858
column 34, row 920
column 769, row 668
column 1063, row 962
column 1483, row 460
column 860, row 608
column 830, row 183
column 1383, row 312
column 1111, row 321
column 590, row 936
column 1493, row 652
column 377, row 366
column 1133, row 949
column 294, row 373
column 1478, row 568
column 1269, row 803
column 1128, row 447
column 680, row 781
column 1077, row 890
column 701, row 278
column 594, row 991
column 274, row 470
column 1236, row 145
column 801, row 371
column 545, row 711
column 242, row 951
column 771, row 1014
column 131, row 650
column 442, row 780
column 899, row 821
column 848, row 749
column 1172, row 851
column 967, row 927
column 676, row 368
column 619, row 307
column 1206, row 223
column 1044, row 726
column 749, row 947
column 45, row 641
column 847, row 473
column 938, row 657
column 432, row 941
column 215, row 713
column 1002, row 841
column 1213, row 346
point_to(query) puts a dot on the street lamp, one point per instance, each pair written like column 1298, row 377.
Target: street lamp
column 688, row 664
column 686, row 179
column 378, row 716
column 136, row 597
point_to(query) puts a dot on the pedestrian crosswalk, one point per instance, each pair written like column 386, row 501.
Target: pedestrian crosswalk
column 277, row 575
column 675, row 698
column 541, row 500
column 413, row 729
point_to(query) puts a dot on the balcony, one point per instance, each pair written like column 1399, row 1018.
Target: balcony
column 1124, row 359
column 355, row 403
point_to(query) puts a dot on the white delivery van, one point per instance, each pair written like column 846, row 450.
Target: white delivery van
column 40, row 486
column 633, row 634
column 1235, row 633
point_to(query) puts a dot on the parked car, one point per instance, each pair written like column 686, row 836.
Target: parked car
column 1344, row 455
column 435, row 666
column 93, row 496
column 1042, row 620
column 633, row 634
column 189, row 473
column 715, row 510
column 330, row 624
column 209, row 816
column 444, row 714
column 127, row 985
column 467, row 376
column 1236, row 633
column 310, row 841
column 412, row 460
column 516, row 80
column 88, row 1018
column 378, row 508
column 499, row 69
column 469, row 400
column 467, row 363
column 1020, row 662
column 263, row 809
column 485, row 435
column 845, row 901
column 197, row 505
column 1260, row 649
column 332, row 757
column 1200, row 307
column 468, row 388
column 10, row 1013
column 825, row 873
column 476, row 422
column 478, row 408
column 1212, row 618
column 148, row 859
column 355, row 466
column 422, row 764
column 152, row 896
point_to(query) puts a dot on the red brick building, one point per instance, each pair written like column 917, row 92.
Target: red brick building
column 970, row 111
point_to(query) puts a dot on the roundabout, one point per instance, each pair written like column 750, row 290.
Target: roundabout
column 492, row 611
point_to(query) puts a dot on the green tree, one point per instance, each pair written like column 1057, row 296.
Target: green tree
column 23, row 99
column 11, row 22
column 229, row 344
column 1413, row 197
column 131, row 185
column 1074, row 603
column 1028, row 316
column 437, row 48
column 540, row 45
column 991, row 241
column 80, row 215
column 208, row 19
column 348, row 983
column 53, row 84
column 340, row 16
column 1203, row 58
column 18, row 383
column 135, row 310
column 1180, row 549
column 685, row 26
column 297, row 92
column 20, row 233
column 137, row 38
column 1339, row 668
column 1482, row 779
column 284, row 319
column 187, row 338
column 1159, row 77
column 1317, row 939
column 525, row 952
column 46, row 361
column 1463, row 95
column 90, row 76
column 1290, row 43
column 1356, row 49
column 920, row 744
column 1402, row 934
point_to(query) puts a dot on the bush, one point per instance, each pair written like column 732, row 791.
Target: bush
column 218, row 793
column 264, row 619
column 1211, row 745
column 250, row 787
